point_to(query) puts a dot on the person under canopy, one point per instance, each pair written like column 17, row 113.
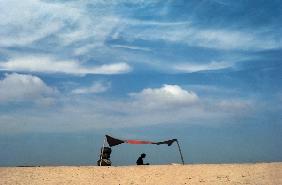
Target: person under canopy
column 140, row 160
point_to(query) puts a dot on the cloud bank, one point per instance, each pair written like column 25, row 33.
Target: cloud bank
column 168, row 104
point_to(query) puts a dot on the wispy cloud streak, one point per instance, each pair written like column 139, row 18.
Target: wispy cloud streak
column 194, row 67
column 48, row 64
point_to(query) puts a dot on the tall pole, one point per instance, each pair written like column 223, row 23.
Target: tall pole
column 180, row 152
column 102, row 151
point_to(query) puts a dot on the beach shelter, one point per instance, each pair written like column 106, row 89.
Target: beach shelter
column 114, row 141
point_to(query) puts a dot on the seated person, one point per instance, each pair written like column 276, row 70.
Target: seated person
column 140, row 160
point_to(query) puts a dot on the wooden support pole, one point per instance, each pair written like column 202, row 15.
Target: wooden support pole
column 180, row 152
column 102, row 151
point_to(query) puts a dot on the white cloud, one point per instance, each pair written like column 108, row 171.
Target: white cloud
column 166, row 95
column 233, row 39
column 49, row 64
column 71, row 22
column 110, row 69
column 170, row 104
column 36, row 20
column 96, row 87
column 96, row 29
column 83, row 49
column 187, row 33
column 20, row 87
column 193, row 67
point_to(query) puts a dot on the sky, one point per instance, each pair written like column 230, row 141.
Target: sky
column 207, row 72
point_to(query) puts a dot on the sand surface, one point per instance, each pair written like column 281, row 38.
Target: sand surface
column 262, row 173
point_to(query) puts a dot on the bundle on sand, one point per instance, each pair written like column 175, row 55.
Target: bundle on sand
column 104, row 159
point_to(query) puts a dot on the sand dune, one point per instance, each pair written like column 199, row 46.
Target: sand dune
column 262, row 173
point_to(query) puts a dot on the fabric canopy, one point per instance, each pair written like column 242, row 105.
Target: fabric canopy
column 113, row 141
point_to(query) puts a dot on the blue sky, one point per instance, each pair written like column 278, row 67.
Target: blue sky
column 207, row 72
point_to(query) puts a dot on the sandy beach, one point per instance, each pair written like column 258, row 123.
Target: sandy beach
column 261, row 173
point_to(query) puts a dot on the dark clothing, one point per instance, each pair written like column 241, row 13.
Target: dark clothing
column 139, row 161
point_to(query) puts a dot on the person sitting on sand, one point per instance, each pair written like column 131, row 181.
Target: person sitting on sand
column 140, row 160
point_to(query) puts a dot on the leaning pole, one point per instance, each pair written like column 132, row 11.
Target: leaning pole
column 180, row 152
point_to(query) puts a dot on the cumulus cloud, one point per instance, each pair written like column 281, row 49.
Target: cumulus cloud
column 49, row 64
column 96, row 87
column 21, row 87
column 166, row 95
